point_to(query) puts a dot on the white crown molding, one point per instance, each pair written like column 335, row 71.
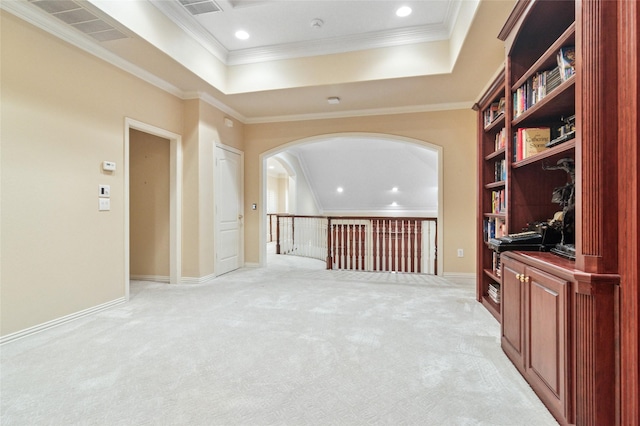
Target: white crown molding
column 362, row 113
column 337, row 45
column 178, row 15
column 45, row 22
column 59, row 321
column 428, row 33
column 206, row 97
column 453, row 11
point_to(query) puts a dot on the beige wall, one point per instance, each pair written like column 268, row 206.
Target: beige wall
column 454, row 131
column 63, row 114
column 204, row 128
column 149, row 205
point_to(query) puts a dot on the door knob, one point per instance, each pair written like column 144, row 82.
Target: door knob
column 240, row 216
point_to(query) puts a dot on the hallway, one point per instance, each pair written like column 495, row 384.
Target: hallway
column 290, row 344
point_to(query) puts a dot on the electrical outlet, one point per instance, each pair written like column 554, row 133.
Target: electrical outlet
column 460, row 253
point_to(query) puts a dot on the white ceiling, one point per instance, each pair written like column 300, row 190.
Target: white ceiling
column 368, row 170
column 440, row 57
column 295, row 28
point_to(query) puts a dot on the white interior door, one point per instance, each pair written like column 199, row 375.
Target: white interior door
column 228, row 210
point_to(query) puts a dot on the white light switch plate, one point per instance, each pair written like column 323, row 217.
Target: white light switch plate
column 104, row 204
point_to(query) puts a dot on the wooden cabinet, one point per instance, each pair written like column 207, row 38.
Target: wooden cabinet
column 560, row 318
column 512, row 329
column 535, row 331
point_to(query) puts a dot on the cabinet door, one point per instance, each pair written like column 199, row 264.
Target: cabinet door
column 547, row 338
column 512, row 311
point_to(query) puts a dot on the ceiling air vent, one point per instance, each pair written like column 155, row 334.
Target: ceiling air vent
column 80, row 18
column 198, row 7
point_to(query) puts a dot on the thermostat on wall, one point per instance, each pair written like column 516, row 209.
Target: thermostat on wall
column 108, row 166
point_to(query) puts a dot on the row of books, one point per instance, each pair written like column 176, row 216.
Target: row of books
column 544, row 82
column 501, row 139
column 498, row 201
column 500, row 170
column 495, row 111
column 494, row 228
column 494, row 292
column 528, row 141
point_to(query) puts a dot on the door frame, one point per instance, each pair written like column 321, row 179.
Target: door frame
column 216, row 224
column 175, row 199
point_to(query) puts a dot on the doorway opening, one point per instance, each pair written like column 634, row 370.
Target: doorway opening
column 354, row 175
column 156, row 181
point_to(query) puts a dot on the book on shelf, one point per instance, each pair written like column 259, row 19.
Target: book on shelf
column 567, row 62
column 500, row 172
column 495, row 111
column 493, row 291
column 501, row 139
column 529, row 141
column 494, row 228
column 495, row 264
column 498, row 201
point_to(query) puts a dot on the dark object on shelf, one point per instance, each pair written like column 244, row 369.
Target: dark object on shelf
column 539, row 237
column 566, row 197
column 500, row 246
column 565, row 132
column 565, row 250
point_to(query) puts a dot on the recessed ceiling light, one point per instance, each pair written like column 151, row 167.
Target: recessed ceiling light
column 333, row 100
column 340, row 189
column 394, row 204
column 394, row 189
column 242, row 34
column 403, row 11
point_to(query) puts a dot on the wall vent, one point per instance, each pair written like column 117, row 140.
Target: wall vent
column 198, row 7
column 73, row 14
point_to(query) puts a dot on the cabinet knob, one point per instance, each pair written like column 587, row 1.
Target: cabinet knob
column 526, row 279
column 518, row 277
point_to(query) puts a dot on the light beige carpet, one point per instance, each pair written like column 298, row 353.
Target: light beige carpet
column 291, row 344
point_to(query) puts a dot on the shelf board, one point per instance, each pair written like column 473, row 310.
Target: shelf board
column 498, row 184
column 559, row 102
column 491, row 306
column 563, row 148
column 496, row 154
column 495, row 123
column 496, row 215
column 548, row 59
column 494, row 277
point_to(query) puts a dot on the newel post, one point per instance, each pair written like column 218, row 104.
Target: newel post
column 329, row 260
column 277, row 234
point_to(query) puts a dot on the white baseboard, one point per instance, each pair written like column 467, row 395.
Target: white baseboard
column 59, row 321
column 195, row 280
column 459, row 275
column 154, row 278
column 466, row 277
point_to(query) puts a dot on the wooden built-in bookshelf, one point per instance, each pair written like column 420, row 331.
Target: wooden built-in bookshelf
column 558, row 316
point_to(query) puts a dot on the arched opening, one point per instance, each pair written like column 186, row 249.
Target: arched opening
column 355, row 174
